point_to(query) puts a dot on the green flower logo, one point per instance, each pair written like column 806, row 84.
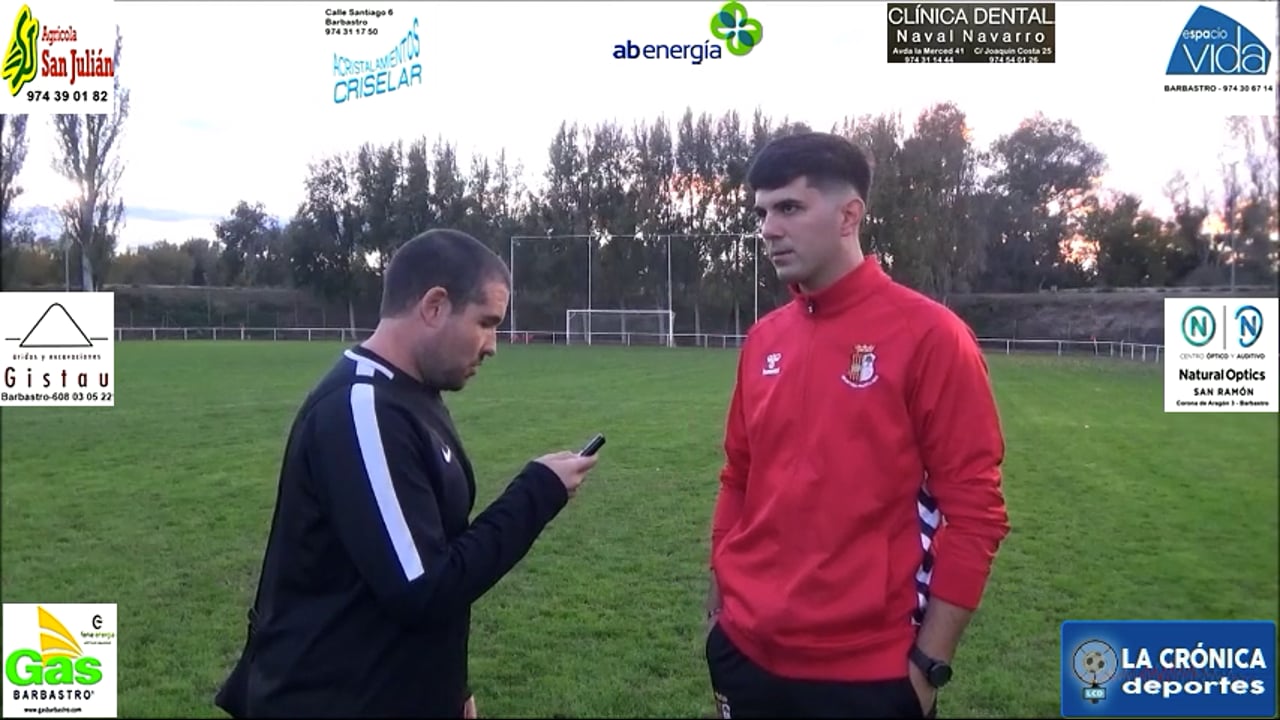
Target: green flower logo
column 740, row 32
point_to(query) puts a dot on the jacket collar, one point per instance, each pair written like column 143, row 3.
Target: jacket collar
column 852, row 288
column 391, row 371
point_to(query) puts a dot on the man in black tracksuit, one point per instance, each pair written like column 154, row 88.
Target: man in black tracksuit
column 372, row 564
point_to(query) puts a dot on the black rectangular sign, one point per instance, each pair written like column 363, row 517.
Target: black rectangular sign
column 946, row 32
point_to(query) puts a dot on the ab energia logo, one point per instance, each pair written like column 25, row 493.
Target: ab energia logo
column 57, row 60
column 60, row 660
column 730, row 25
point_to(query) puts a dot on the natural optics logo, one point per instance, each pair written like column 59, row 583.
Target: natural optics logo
column 740, row 32
column 1198, row 326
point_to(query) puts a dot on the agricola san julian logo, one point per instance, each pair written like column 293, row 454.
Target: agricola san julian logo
column 25, row 59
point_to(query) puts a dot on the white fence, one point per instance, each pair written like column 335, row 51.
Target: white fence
column 1141, row 352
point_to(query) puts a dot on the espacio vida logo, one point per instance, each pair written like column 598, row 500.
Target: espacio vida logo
column 1214, row 43
column 36, row 52
column 732, row 29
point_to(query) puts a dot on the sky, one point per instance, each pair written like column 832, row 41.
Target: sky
column 231, row 100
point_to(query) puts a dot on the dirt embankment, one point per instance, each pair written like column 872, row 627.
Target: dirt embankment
column 1064, row 316
column 1132, row 316
column 165, row 306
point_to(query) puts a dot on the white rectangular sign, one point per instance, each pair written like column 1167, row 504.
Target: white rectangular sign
column 60, row 58
column 60, row 660
column 1220, row 354
column 59, row 349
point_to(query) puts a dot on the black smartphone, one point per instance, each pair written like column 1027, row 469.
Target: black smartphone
column 593, row 446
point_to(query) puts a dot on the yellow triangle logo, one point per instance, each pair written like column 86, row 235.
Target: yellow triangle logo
column 55, row 639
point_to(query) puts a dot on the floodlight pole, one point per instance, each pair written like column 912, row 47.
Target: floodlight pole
column 670, row 309
column 755, row 280
column 511, row 257
column 709, row 236
column 590, row 242
column 512, row 254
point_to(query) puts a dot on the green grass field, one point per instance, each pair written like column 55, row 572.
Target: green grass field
column 162, row 504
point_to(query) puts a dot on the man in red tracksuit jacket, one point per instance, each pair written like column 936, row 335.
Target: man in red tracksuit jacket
column 860, row 504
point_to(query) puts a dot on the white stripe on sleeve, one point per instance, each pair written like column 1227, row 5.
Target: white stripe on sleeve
column 379, row 474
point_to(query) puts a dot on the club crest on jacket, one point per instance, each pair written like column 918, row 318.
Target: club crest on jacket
column 862, row 367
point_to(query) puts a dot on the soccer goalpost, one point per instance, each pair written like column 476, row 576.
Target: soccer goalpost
column 582, row 325
column 625, row 327
column 586, row 325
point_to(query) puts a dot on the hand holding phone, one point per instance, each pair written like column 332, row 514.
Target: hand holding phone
column 572, row 468
column 592, row 445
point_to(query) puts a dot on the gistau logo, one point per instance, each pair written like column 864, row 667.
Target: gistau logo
column 59, row 661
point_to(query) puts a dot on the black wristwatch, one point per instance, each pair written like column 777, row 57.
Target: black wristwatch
column 936, row 672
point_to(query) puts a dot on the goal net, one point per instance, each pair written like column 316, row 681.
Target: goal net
column 619, row 327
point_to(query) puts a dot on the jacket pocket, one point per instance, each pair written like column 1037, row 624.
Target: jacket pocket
column 838, row 598
column 872, row 583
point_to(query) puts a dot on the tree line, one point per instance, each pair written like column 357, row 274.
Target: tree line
column 87, row 153
column 1026, row 213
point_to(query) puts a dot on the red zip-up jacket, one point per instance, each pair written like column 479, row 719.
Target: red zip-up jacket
column 861, row 415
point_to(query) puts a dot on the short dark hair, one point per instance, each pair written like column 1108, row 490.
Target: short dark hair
column 824, row 159
column 450, row 259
